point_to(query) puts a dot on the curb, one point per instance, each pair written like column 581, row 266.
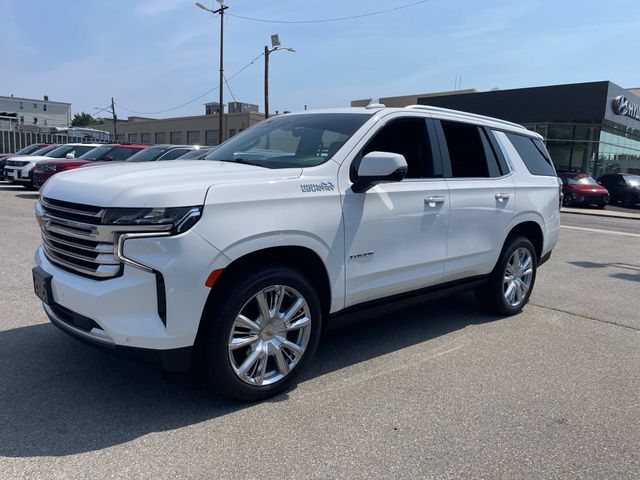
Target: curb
column 595, row 214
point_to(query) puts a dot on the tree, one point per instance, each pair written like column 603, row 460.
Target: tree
column 83, row 119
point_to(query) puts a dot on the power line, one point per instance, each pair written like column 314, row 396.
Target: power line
column 229, row 88
column 335, row 19
column 196, row 98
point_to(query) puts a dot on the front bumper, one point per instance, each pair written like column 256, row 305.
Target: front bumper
column 125, row 309
column 19, row 175
column 85, row 330
column 39, row 177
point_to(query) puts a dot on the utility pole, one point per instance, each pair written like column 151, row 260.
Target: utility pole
column 220, row 11
column 275, row 46
column 115, row 119
column 266, row 81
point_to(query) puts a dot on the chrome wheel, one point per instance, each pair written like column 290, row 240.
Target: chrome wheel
column 269, row 335
column 518, row 275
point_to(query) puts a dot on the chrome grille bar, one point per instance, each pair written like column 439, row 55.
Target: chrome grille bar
column 88, row 248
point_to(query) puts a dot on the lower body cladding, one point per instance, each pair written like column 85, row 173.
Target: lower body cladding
column 124, row 313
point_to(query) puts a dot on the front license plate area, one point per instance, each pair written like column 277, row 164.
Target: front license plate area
column 42, row 285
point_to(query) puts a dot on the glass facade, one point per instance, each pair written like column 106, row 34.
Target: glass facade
column 595, row 149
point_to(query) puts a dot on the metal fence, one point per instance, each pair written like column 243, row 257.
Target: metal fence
column 11, row 141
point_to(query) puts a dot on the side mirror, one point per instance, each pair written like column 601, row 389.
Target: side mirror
column 379, row 167
column 70, row 156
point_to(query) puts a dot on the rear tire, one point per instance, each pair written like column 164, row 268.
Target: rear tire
column 250, row 348
column 628, row 201
column 511, row 282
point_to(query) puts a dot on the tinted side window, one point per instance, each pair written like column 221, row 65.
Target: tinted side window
column 173, row 154
column 469, row 151
column 123, row 153
column 408, row 137
column 534, row 156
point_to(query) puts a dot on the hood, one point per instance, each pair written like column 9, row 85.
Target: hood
column 30, row 158
column 154, row 184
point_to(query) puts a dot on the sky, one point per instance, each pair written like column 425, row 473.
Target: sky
column 153, row 55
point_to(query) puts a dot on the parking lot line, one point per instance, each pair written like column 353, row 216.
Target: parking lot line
column 597, row 230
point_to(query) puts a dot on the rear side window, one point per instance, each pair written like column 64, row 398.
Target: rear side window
column 122, row 153
column 470, row 153
column 175, row 153
column 533, row 154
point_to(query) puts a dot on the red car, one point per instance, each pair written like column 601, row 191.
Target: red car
column 582, row 189
column 116, row 152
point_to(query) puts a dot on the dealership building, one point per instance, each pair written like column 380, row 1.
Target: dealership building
column 588, row 127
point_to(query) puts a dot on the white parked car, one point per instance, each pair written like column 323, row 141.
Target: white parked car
column 238, row 261
column 19, row 170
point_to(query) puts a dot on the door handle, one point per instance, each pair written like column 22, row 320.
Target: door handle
column 501, row 197
column 433, row 201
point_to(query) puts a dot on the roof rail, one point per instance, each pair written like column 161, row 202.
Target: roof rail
column 460, row 112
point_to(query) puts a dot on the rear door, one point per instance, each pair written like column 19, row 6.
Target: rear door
column 482, row 198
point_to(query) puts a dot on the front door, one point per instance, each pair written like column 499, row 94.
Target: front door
column 396, row 233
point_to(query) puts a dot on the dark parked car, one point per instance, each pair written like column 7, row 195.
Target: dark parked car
column 623, row 188
column 196, row 154
column 161, row 152
column 582, row 189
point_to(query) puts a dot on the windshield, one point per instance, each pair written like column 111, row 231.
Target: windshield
column 633, row 180
column 97, row 153
column 43, row 150
column 60, row 152
column 288, row 141
column 581, row 180
column 194, row 154
column 30, row 149
column 148, row 154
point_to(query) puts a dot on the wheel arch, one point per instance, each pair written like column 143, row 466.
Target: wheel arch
column 303, row 259
column 530, row 229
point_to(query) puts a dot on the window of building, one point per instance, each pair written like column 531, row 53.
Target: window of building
column 175, row 138
column 120, row 137
column 145, row 137
column 408, row 137
column 44, row 107
column 193, row 137
column 160, row 137
column 208, row 110
column 35, row 120
column 22, row 119
column 21, row 106
column 35, row 106
column 132, row 137
column 45, row 121
column 533, row 154
column 469, row 152
column 211, row 137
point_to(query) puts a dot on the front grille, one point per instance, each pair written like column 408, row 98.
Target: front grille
column 74, row 239
column 16, row 163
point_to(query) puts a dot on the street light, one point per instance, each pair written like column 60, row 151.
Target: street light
column 220, row 11
column 275, row 46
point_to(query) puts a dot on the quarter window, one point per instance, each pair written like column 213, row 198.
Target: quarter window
column 533, row 154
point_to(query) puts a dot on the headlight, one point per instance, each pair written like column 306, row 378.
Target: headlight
column 181, row 218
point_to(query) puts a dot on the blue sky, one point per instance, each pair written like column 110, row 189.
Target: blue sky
column 155, row 54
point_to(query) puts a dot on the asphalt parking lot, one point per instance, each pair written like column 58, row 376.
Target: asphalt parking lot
column 436, row 391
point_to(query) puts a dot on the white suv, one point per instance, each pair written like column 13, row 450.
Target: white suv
column 238, row 261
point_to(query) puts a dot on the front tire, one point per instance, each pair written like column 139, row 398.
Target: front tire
column 567, row 200
column 260, row 333
column 510, row 284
